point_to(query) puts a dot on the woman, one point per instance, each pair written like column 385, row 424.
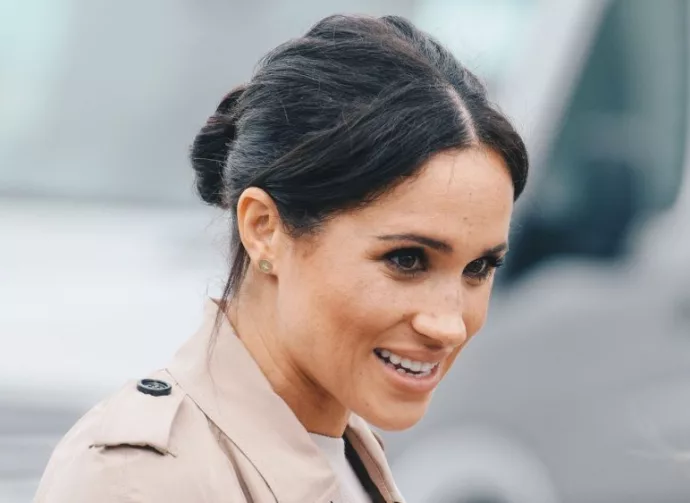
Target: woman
column 370, row 186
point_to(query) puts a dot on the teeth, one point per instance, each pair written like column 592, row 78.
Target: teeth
column 420, row 369
column 402, row 371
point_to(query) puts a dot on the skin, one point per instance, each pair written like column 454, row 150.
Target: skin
column 313, row 322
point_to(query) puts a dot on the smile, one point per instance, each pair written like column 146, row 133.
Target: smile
column 406, row 366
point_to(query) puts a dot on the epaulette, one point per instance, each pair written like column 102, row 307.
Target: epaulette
column 141, row 415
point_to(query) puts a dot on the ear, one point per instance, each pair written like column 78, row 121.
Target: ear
column 259, row 225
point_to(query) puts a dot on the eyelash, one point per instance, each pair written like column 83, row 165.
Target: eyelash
column 491, row 263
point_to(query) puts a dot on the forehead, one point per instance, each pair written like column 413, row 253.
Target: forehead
column 459, row 190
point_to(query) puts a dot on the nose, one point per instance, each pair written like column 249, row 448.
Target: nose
column 447, row 330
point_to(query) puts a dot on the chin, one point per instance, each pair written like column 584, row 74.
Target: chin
column 395, row 418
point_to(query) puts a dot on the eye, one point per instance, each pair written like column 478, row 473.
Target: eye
column 408, row 260
column 482, row 268
column 478, row 267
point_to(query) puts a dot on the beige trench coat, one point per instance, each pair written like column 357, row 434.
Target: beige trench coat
column 220, row 435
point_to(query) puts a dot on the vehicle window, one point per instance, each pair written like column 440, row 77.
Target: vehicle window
column 32, row 48
column 618, row 156
column 86, row 106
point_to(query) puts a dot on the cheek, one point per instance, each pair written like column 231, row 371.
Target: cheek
column 335, row 305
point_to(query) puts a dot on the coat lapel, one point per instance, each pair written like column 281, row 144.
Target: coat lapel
column 217, row 372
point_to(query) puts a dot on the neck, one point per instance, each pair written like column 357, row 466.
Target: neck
column 254, row 319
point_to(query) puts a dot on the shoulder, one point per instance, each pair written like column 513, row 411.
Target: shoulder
column 144, row 444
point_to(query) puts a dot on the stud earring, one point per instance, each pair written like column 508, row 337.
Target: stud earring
column 265, row 266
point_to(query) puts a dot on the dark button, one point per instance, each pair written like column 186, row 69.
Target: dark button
column 154, row 387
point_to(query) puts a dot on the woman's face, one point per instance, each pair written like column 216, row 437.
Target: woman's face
column 374, row 308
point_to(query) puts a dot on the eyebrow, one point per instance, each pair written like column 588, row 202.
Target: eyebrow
column 503, row 247
column 438, row 245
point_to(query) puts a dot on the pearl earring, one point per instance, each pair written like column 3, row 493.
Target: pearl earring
column 265, row 266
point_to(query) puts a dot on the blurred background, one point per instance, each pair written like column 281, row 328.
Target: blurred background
column 578, row 389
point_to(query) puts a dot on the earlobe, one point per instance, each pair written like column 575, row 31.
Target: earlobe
column 265, row 266
column 257, row 224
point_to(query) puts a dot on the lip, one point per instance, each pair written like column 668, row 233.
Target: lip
column 407, row 383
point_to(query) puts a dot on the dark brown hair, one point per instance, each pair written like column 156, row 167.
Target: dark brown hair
column 334, row 119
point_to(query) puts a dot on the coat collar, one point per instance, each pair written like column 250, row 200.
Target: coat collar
column 220, row 376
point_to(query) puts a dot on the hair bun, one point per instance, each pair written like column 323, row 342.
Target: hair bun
column 209, row 152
